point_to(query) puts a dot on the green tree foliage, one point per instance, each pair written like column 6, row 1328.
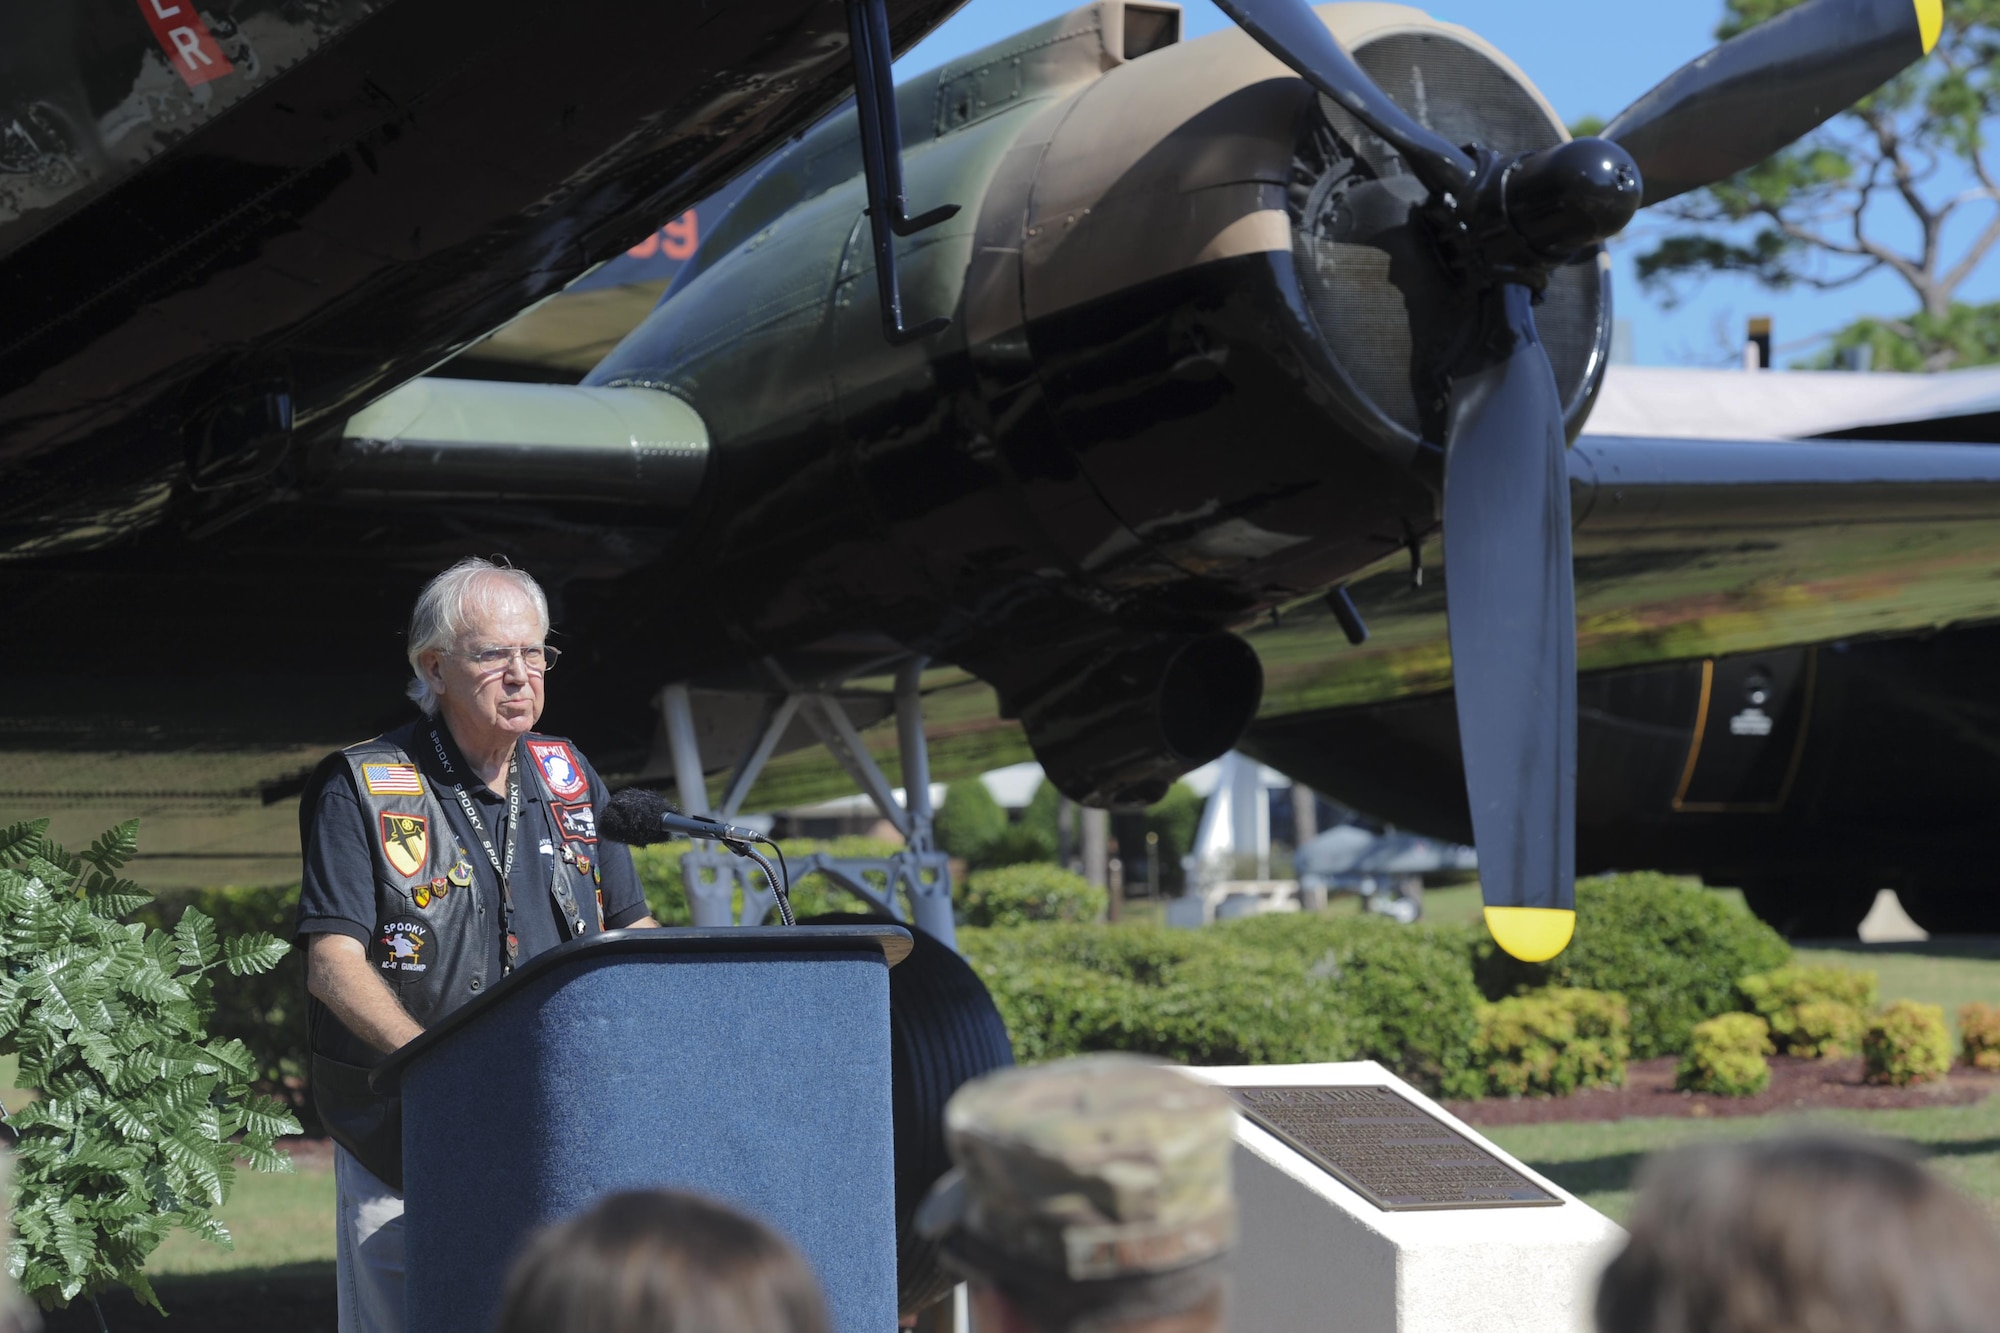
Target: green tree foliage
column 141, row 1114
column 1817, row 214
column 969, row 821
column 1965, row 335
column 1673, row 949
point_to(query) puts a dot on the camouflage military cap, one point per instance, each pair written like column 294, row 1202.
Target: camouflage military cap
column 1107, row 1166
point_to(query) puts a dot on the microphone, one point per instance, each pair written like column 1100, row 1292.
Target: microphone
column 639, row 817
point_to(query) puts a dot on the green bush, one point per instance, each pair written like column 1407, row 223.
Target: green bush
column 1021, row 844
column 1825, row 1030
column 1552, row 1042
column 1246, row 992
column 1187, row 996
column 969, row 821
column 1406, row 993
column 1673, row 949
column 1726, row 1056
column 1814, row 1012
column 1019, row 894
column 659, row 868
column 143, row 1113
column 1907, row 1043
column 265, row 1011
column 1979, row 1035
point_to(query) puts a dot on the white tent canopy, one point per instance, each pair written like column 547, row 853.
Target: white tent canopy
column 1779, row 405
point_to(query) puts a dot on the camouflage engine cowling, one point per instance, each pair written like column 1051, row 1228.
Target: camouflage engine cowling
column 1179, row 388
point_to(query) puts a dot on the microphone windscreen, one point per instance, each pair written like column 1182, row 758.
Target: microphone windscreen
column 633, row 816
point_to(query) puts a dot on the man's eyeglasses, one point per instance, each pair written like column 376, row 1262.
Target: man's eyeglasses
column 536, row 658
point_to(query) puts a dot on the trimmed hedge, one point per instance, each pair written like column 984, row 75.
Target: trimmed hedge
column 1550, row 1043
column 1814, row 1012
column 1907, row 1043
column 1258, row 991
column 1019, row 894
column 1979, row 1034
column 1673, row 949
column 1726, row 1056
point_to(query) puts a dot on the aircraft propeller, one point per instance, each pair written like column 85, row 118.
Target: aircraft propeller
column 1500, row 225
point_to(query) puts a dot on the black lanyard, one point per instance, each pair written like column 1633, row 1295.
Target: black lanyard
column 558, row 886
column 502, row 861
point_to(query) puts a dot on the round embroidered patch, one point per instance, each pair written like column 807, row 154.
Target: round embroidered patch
column 400, row 945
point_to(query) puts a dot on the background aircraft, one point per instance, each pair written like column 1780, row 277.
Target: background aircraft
column 1201, row 361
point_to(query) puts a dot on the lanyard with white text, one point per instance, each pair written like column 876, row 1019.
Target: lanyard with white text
column 504, row 868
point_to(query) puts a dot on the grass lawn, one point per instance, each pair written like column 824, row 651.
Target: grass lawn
column 1597, row 1161
column 276, row 1220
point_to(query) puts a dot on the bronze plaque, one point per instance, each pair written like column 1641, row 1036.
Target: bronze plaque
column 1389, row 1150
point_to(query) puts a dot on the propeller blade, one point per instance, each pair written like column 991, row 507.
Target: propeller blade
column 1289, row 30
column 1511, row 610
column 1768, row 87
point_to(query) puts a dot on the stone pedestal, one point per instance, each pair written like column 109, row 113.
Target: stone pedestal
column 1318, row 1256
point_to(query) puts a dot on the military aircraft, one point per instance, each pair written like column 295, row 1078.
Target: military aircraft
column 1182, row 339
column 221, row 225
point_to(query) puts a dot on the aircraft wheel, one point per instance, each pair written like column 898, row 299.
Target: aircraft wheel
column 1809, row 906
column 1956, row 908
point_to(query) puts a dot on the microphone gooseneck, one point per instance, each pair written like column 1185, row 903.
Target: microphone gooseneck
column 639, row 818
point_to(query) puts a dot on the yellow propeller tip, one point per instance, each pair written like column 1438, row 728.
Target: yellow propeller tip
column 1930, row 22
column 1531, row 934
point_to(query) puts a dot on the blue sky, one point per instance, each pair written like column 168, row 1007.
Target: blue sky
column 1589, row 57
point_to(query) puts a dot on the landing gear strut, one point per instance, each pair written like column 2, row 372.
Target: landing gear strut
column 918, row 874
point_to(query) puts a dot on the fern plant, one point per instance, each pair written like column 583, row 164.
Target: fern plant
column 141, row 1116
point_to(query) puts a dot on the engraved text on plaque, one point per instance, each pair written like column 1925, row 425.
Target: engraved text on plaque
column 1393, row 1152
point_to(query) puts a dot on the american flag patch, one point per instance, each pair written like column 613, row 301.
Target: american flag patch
column 392, row 780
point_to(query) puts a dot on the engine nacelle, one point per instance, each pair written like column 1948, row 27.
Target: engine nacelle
column 1120, row 729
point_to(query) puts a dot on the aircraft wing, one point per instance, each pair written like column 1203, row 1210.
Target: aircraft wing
column 1690, row 548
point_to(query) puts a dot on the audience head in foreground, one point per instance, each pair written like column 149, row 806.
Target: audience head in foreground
column 659, row 1261
column 1089, row 1196
column 1806, row 1235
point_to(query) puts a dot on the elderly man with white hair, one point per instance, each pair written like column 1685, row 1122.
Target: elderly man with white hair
column 438, row 858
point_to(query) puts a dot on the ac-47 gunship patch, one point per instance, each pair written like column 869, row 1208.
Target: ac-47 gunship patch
column 405, row 841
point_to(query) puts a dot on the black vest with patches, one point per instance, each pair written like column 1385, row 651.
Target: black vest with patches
column 433, row 941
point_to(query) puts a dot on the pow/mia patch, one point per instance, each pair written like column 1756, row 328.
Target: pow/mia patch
column 405, row 841
column 561, row 769
column 403, row 944
column 392, row 780
column 577, row 823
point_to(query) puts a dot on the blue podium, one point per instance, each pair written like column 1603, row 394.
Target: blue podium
column 752, row 1066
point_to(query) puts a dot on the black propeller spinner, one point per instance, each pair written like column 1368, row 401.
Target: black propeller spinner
column 1501, row 225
